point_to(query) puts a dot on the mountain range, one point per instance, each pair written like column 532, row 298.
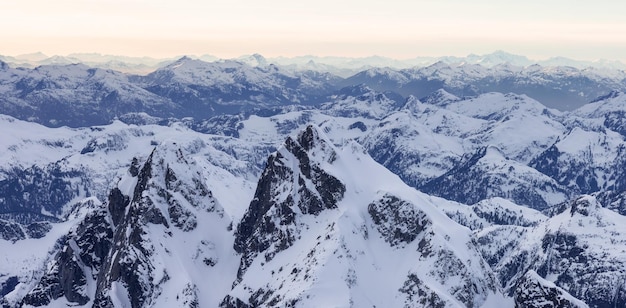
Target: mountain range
column 226, row 184
column 78, row 95
column 342, row 66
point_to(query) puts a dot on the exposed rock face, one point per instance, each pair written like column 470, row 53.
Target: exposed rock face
column 38, row 190
column 292, row 183
column 7, row 286
column 397, row 220
column 82, row 254
column 488, row 174
column 168, row 194
column 534, row 291
column 114, row 248
column 578, row 249
column 128, row 261
column 11, row 231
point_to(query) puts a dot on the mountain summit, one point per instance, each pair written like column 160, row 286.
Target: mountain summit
column 328, row 218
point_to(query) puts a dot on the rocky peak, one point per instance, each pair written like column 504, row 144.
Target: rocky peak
column 294, row 182
column 169, row 192
column 308, row 138
column 117, row 255
column 440, row 98
column 584, row 205
column 310, row 143
column 318, row 209
column 414, row 105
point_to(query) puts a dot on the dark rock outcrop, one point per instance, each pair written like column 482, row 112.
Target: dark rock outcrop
column 293, row 173
column 534, row 291
column 397, row 220
column 81, row 255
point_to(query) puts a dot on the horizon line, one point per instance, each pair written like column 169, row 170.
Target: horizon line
column 245, row 55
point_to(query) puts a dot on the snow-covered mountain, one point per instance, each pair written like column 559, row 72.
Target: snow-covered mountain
column 341, row 66
column 156, row 239
column 75, row 95
column 579, row 250
column 331, row 219
column 361, row 101
column 76, row 255
column 559, row 87
column 209, row 87
column 163, row 230
column 310, row 189
column 589, row 158
column 125, row 64
column 205, row 87
column 488, row 173
column 306, row 193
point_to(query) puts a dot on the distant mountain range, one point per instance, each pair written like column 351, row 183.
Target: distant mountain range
column 341, row 66
column 81, row 95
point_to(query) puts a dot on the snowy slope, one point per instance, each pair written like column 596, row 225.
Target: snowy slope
column 405, row 146
column 587, row 161
column 488, row 173
column 93, row 157
column 519, row 125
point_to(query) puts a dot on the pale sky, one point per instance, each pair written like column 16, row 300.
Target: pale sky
column 585, row 30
